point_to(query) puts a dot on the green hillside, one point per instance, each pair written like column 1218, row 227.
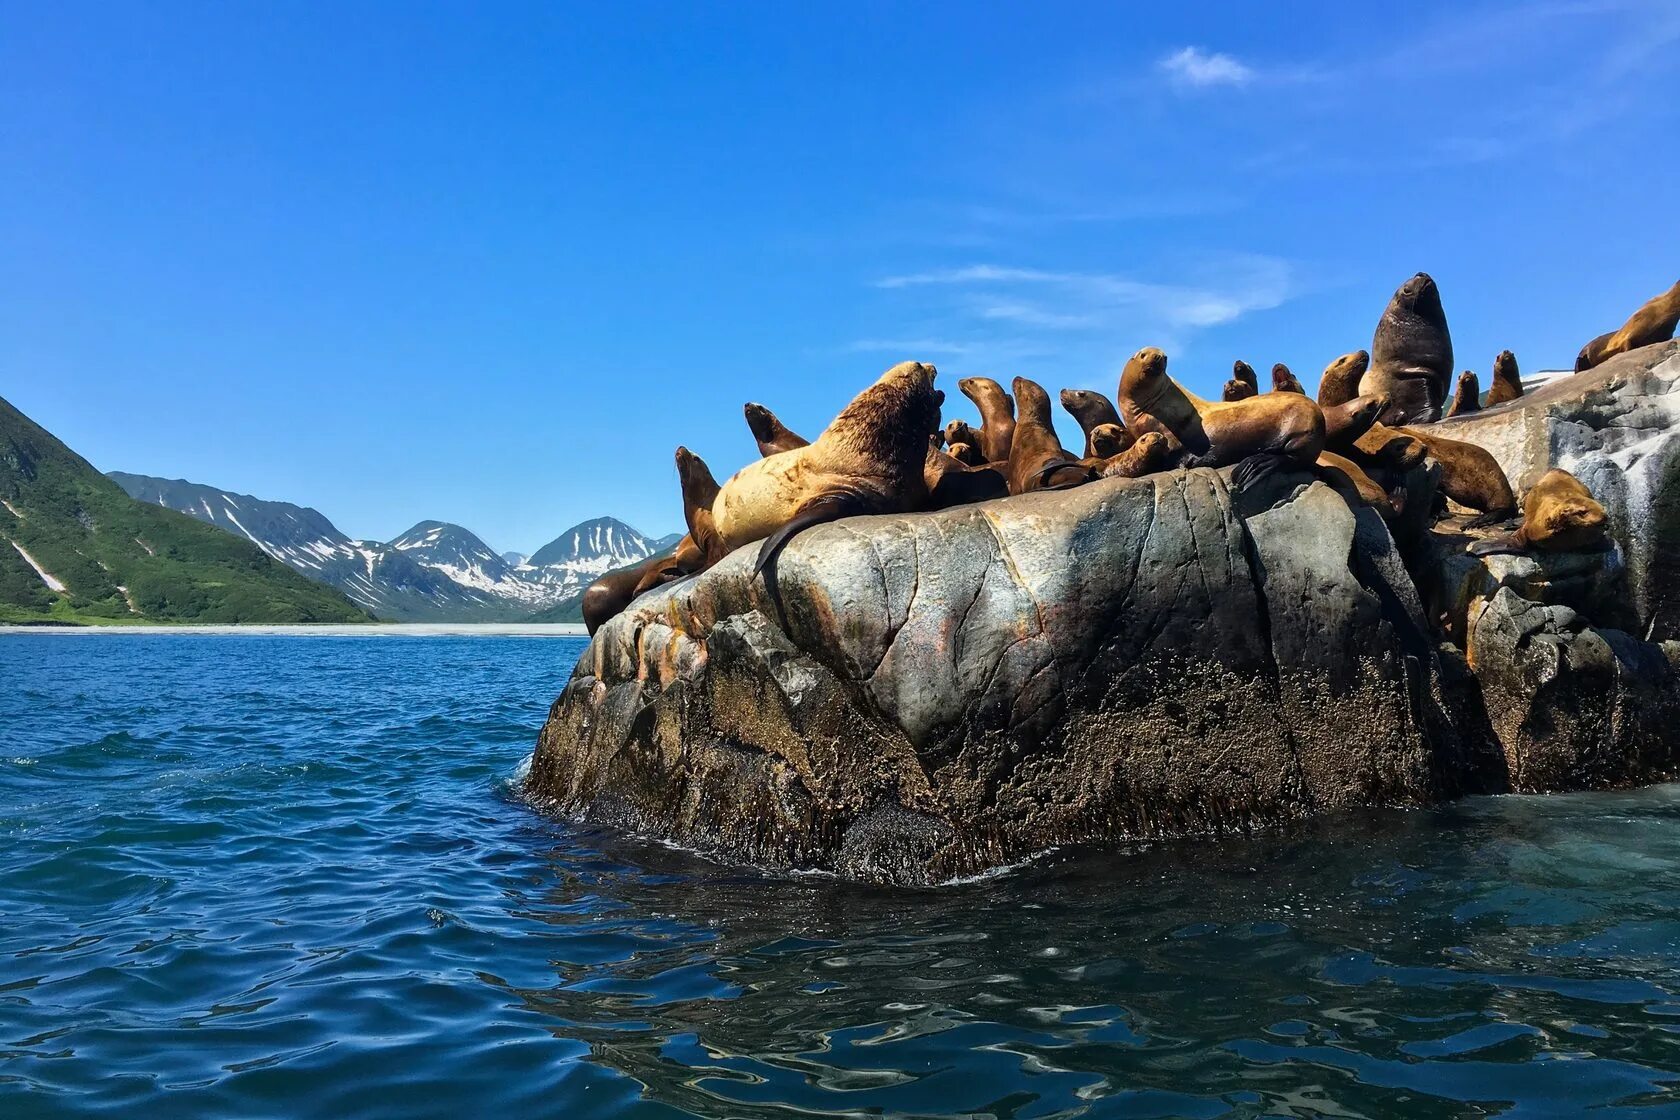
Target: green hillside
column 75, row 548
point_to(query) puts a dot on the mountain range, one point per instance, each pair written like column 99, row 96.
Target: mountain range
column 434, row 572
column 74, row 547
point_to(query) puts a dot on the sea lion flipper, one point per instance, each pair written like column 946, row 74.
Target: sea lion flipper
column 820, row 510
column 1256, row 468
column 1495, row 546
column 1491, row 517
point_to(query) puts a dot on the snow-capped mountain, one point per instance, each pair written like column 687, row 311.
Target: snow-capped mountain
column 434, row 572
column 583, row 553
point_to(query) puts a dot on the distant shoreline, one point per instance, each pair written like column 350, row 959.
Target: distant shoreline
column 325, row 630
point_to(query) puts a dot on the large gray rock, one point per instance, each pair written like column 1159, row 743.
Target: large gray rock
column 1617, row 429
column 957, row 690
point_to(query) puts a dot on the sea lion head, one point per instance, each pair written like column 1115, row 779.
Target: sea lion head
column 1237, row 389
column 1467, row 382
column 1421, row 296
column 1363, row 411
column 1108, row 440
column 1077, row 400
column 760, row 420
column 1561, row 514
column 1150, row 453
column 1242, row 371
column 1031, row 401
column 1505, row 366
column 959, row 431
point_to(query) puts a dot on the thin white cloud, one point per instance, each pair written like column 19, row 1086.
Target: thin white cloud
column 908, row 345
column 1194, row 68
column 1095, row 300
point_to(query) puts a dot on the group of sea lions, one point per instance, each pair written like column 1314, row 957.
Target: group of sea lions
column 1370, row 423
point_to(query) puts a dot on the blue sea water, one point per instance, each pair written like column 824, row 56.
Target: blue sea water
column 292, row 876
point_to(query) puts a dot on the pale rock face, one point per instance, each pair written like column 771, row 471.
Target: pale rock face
column 938, row 694
column 1617, row 429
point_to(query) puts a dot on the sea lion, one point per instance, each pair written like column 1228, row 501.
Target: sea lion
column 952, row 482
column 1243, row 372
column 1037, row 458
column 997, row 416
column 1507, row 382
column 1109, row 440
column 1389, row 448
column 868, row 460
column 1467, row 398
column 1237, row 389
column 685, row 560
column 1283, row 381
column 1349, row 477
column 608, row 596
column 1559, row 515
column 968, row 454
column 958, row 431
column 1269, row 429
column 1150, row 452
column 1344, row 424
column 699, row 494
column 1340, row 381
column 771, row 434
column 1653, row 322
column 1470, row 476
column 1090, row 408
column 1411, row 354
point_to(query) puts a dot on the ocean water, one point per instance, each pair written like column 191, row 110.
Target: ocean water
column 292, row 876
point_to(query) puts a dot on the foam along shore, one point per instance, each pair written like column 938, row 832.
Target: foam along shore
column 384, row 630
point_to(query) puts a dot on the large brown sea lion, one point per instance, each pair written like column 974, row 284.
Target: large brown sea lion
column 770, row 433
column 1411, row 354
column 997, row 416
column 1340, row 382
column 1285, row 381
column 1470, row 475
column 1507, row 382
column 1653, row 322
column 1467, row 398
column 1271, row 428
column 869, row 460
column 1090, row 408
column 1035, row 454
column 1559, row 515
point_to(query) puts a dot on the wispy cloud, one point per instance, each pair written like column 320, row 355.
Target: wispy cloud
column 909, row 346
column 1195, row 68
column 1092, row 300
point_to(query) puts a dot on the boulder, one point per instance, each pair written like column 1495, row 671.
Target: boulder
column 941, row 693
column 1571, row 706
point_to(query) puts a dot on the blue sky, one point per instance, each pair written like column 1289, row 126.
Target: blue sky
column 492, row 266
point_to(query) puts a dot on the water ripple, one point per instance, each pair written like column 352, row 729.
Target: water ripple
column 269, row 876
